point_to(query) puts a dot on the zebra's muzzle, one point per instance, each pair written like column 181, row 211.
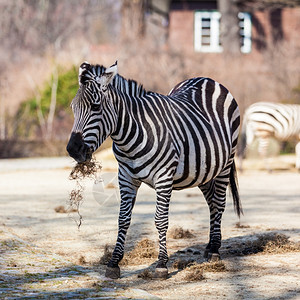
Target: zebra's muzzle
column 78, row 149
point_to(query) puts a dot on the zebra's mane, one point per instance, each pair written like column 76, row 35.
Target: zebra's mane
column 128, row 86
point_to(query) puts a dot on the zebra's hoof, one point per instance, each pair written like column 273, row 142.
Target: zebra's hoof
column 206, row 253
column 160, row 273
column 212, row 257
column 113, row 273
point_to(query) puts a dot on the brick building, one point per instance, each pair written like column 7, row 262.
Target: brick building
column 194, row 26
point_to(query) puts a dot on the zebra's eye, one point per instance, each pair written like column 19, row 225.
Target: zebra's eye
column 95, row 107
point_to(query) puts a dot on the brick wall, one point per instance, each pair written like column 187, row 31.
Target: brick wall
column 267, row 28
column 181, row 30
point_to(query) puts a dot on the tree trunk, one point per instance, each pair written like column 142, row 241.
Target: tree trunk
column 2, row 119
column 133, row 19
column 230, row 37
column 52, row 102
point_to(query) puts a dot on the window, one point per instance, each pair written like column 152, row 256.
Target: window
column 245, row 32
column 207, row 32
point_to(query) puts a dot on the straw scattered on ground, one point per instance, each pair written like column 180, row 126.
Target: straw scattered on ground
column 181, row 264
column 143, row 252
column 180, row 233
column 276, row 243
column 146, row 274
column 62, row 210
column 196, row 272
column 241, row 226
column 269, row 243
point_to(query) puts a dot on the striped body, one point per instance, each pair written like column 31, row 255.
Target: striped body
column 263, row 120
column 193, row 131
column 182, row 140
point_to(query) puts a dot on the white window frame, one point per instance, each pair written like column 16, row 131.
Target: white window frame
column 214, row 17
column 246, row 32
column 214, row 45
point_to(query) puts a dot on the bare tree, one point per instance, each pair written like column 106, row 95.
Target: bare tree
column 230, row 36
column 133, row 20
column 39, row 28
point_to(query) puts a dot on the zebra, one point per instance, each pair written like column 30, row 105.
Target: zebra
column 185, row 139
column 263, row 120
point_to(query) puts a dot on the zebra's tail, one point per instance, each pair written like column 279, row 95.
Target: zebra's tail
column 234, row 190
column 242, row 144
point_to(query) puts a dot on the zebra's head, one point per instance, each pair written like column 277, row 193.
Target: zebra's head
column 94, row 116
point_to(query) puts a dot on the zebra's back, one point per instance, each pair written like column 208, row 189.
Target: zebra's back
column 280, row 120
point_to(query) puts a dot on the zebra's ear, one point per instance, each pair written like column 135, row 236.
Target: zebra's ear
column 84, row 66
column 108, row 75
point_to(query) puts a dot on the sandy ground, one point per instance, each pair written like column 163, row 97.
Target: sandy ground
column 31, row 189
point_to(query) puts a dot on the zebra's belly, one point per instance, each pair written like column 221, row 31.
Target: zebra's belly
column 192, row 168
column 197, row 174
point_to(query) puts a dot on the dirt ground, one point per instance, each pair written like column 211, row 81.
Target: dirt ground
column 44, row 255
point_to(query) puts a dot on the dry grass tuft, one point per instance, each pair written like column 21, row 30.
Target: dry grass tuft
column 181, row 264
column 108, row 251
column 195, row 272
column 239, row 225
column 274, row 243
column 81, row 171
column 82, row 260
column 180, row 233
column 216, row 266
column 143, row 252
column 146, row 275
column 62, row 210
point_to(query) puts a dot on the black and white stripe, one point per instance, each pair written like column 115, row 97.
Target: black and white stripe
column 263, row 120
column 173, row 142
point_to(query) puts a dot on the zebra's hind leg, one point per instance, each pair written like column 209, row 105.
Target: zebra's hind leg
column 163, row 194
column 263, row 146
column 128, row 191
column 215, row 194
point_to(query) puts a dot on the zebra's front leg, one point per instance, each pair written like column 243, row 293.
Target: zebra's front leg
column 128, row 191
column 163, row 194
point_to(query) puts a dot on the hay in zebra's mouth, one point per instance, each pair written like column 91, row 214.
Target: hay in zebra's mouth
column 86, row 169
column 81, row 171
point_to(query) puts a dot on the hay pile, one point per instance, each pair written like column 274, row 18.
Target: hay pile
column 268, row 243
column 241, row 226
column 276, row 243
column 143, row 252
column 145, row 274
column 181, row 264
column 195, row 272
column 81, row 171
column 180, row 233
